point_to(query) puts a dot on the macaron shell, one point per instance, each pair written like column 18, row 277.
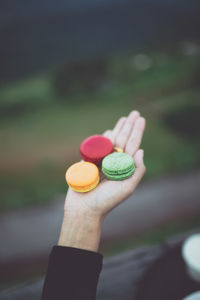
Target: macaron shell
column 82, row 174
column 118, row 166
column 118, row 162
column 86, row 189
column 95, row 148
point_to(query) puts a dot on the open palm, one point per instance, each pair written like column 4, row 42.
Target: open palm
column 127, row 135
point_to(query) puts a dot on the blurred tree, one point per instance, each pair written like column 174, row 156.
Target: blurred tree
column 195, row 78
column 184, row 120
column 80, row 77
column 37, row 35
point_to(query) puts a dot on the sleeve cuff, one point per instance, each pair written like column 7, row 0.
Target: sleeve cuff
column 83, row 258
column 72, row 274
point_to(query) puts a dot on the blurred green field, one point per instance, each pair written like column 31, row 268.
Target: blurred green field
column 41, row 130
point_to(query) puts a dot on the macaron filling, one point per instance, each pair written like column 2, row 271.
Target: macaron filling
column 86, row 188
column 117, row 176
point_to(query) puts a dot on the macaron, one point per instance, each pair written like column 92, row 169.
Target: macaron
column 82, row 176
column 118, row 166
column 95, row 148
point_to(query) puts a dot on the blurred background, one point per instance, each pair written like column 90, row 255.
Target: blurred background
column 70, row 69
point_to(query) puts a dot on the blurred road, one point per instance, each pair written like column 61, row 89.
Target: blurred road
column 32, row 232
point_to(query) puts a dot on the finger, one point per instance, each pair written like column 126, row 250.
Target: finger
column 139, row 159
column 135, row 137
column 129, row 185
column 140, row 170
column 124, row 133
column 107, row 133
column 117, row 128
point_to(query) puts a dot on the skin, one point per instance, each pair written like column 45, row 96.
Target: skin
column 84, row 212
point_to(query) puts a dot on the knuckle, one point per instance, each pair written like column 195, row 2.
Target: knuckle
column 129, row 123
column 130, row 150
column 125, row 130
column 119, row 140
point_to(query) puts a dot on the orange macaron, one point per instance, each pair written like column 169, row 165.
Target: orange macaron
column 82, row 176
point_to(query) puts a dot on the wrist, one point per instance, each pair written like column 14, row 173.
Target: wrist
column 80, row 231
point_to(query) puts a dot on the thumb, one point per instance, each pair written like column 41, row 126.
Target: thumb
column 140, row 168
column 138, row 158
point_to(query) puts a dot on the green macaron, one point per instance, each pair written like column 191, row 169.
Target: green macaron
column 118, row 166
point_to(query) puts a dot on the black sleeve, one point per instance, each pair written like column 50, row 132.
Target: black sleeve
column 72, row 274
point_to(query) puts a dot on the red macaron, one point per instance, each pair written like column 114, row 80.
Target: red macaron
column 95, row 148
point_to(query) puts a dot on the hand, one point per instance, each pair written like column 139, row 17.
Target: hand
column 89, row 209
column 127, row 134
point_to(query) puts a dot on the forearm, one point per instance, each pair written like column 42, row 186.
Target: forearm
column 80, row 231
column 72, row 270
